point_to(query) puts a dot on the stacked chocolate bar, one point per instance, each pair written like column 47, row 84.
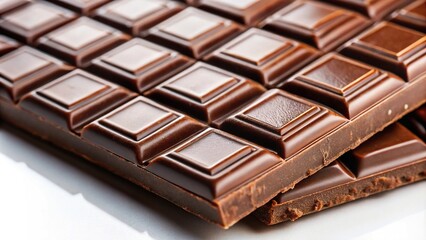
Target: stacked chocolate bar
column 220, row 106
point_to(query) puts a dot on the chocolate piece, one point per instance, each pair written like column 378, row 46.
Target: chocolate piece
column 282, row 122
column 263, row 56
column 206, row 92
column 392, row 158
column 248, row 12
column 320, row 25
column 213, row 163
column 412, row 16
column 193, row 32
column 416, row 122
column 140, row 129
column 372, row 9
column 347, row 86
column 139, row 64
column 75, row 99
column 7, row 44
column 397, row 49
column 136, row 16
column 33, row 20
column 80, row 41
column 7, row 5
column 26, row 69
column 85, row 7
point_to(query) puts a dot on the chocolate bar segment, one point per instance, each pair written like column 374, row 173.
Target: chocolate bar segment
column 85, row 7
column 139, row 64
column 262, row 56
column 375, row 10
column 320, row 25
column 282, row 122
column 33, row 20
column 389, row 159
column 75, row 99
column 213, row 163
column 416, row 122
column 7, row 5
column 248, row 12
column 26, row 69
column 394, row 48
column 7, row 44
column 206, row 92
column 412, row 16
column 140, row 129
column 81, row 40
column 193, row 32
column 344, row 85
column 136, row 16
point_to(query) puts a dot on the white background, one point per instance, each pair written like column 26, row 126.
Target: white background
column 48, row 193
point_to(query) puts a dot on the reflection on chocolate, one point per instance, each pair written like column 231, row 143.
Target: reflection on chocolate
column 206, row 92
column 80, row 41
column 262, row 56
column 139, row 64
column 193, row 32
column 7, row 5
column 396, row 49
column 33, row 20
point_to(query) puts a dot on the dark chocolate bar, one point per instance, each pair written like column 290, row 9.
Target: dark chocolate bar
column 209, row 166
column 390, row 159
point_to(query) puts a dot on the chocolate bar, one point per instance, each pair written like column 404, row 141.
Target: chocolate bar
column 390, row 159
column 202, row 134
column 412, row 16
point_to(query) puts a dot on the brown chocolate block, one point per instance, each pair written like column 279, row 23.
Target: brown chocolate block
column 344, row 85
column 75, row 99
column 206, row 92
column 391, row 47
column 139, row 64
column 416, row 122
column 136, row 16
column 81, row 40
column 375, row 10
column 193, row 32
column 85, row 7
column 213, row 163
column 248, row 12
column 318, row 24
column 26, row 69
column 262, row 56
column 412, row 16
column 140, row 129
column 390, row 159
column 7, row 5
column 7, row 44
column 33, row 20
column 282, row 122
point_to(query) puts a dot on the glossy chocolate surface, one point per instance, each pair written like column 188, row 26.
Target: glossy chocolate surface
column 391, row 47
column 26, row 69
column 248, row 12
column 7, row 44
column 7, row 5
column 140, row 129
column 136, row 16
column 320, row 25
column 33, row 20
column 346, row 86
column 81, row 40
column 412, row 16
column 206, row 92
column 213, row 163
column 262, row 56
column 85, row 7
column 372, row 9
column 75, row 99
column 282, row 122
column 139, row 64
column 193, row 32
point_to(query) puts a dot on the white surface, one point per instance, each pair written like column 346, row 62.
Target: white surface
column 50, row 194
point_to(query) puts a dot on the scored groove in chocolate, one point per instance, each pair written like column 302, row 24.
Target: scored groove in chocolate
column 412, row 16
column 85, row 7
column 7, row 44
